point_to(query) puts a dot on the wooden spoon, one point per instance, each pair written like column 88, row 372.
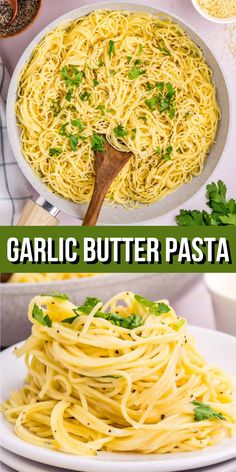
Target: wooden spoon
column 107, row 165
column 14, row 5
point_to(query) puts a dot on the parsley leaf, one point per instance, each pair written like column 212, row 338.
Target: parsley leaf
column 149, row 87
column 37, row 314
column 205, row 412
column 84, row 96
column 155, row 308
column 95, row 82
column 55, row 151
column 165, row 154
column 120, row 131
column 74, row 139
column 152, row 103
column 98, row 142
column 88, row 305
column 63, row 131
column 135, row 72
column 164, row 50
column 111, row 49
column 69, row 95
column 129, row 59
column 78, row 124
column 55, row 294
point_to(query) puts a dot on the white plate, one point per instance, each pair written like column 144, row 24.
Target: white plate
column 112, row 214
column 12, row 462
column 216, row 347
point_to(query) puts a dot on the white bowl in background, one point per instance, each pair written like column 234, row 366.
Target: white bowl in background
column 222, row 21
column 15, row 297
column 222, row 288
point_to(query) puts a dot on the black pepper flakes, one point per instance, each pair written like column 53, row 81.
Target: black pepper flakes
column 27, row 11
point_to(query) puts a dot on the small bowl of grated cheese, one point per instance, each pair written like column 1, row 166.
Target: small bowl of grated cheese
column 218, row 11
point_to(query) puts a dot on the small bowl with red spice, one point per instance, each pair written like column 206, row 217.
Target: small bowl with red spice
column 17, row 16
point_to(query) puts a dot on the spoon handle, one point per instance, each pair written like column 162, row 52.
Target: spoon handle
column 107, row 165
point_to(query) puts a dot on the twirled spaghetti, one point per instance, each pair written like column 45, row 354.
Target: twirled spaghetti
column 125, row 376
column 219, row 8
column 136, row 79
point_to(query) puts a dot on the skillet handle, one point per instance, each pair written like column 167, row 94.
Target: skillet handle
column 35, row 215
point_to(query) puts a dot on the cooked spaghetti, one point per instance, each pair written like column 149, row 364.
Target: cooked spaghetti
column 37, row 277
column 219, row 8
column 135, row 79
column 124, row 376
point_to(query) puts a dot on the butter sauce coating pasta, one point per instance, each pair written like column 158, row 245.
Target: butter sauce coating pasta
column 136, row 79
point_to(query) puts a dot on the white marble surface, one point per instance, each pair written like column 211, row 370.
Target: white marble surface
column 218, row 37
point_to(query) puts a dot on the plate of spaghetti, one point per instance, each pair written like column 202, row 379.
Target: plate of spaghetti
column 131, row 75
column 120, row 383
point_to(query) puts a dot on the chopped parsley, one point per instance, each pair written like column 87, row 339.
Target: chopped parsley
column 111, row 48
column 55, row 107
column 37, row 314
column 74, row 139
column 129, row 59
column 98, row 142
column 165, row 154
column 84, row 96
column 164, row 50
column 164, row 101
column 155, row 308
column 55, row 151
column 101, row 64
column 149, row 87
column 120, row 131
column 55, row 294
column 223, row 211
column 72, row 76
column 135, row 72
column 152, row 103
column 205, row 412
column 95, row 82
column 63, row 131
column 69, row 95
column 78, row 124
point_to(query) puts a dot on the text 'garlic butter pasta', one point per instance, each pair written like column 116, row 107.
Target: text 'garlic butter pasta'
column 124, row 376
column 135, row 79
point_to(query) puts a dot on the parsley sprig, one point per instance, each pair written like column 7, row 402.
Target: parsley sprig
column 155, row 308
column 202, row 412
column 223, row 211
